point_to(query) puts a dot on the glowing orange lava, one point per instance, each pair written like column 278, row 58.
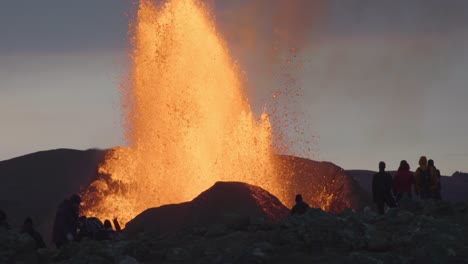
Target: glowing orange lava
column 188, row 121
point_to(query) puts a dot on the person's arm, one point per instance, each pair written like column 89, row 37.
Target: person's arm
column 390, row 183
column 374, row 187
column 59, row 233
column 117, row 225
column 434, row 179
column 417, row 174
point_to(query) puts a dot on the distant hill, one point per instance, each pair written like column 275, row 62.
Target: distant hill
column 364, row 178
column 454, row 188
column 35, row 184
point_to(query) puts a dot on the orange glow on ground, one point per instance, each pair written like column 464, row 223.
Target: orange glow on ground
column 188, row 121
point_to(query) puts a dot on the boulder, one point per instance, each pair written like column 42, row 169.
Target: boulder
column 228, row 204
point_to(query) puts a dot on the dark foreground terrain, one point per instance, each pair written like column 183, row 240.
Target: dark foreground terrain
column 419, row 232
column 235, row 222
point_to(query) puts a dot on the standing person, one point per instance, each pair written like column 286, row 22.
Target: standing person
column 426, row 180
column 403, row 181
column 66, row 221
column 437, row 193
column 382, row 189
column 301, row 207
column 28, row 228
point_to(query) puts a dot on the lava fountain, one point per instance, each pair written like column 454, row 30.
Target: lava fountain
column 188, row 121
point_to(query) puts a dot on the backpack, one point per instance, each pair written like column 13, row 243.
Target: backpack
column 425, row 177
column 94, row 228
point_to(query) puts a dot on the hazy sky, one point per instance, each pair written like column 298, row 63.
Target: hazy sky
column 367, row 80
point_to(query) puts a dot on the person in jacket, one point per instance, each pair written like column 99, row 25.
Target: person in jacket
column 437, row 194
column 403, row 181
column 426, row 180
column 382, row 189
column 28, row 228
column 301, row 207
column 66, row 221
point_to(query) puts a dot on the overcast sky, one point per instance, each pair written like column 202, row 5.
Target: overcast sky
column 367, row 80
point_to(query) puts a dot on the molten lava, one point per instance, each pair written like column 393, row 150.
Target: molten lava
column 188, row 121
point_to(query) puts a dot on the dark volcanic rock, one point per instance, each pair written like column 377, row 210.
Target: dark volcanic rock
column 428, row 235
column 227, row 204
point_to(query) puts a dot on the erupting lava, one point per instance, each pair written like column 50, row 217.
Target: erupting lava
column 188, row 121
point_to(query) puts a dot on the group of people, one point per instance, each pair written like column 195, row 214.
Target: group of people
column 69, row 226
column 388, row 190
column 28, row 228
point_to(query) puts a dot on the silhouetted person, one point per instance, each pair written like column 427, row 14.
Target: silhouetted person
column 403, row 181
column 3, row 220
column 382, row 189
column 82, row 230
column 426, row 180
column 437, row 193
column 301, row 207
column 28, row 228
column 66, row 221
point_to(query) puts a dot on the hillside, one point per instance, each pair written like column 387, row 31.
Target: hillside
column 35, row 184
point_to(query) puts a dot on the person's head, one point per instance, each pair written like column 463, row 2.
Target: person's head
column 404, row 165
column 28, row 224
column 75, row 199
column 298, row 198
column 382, row 166
column 430, row 163
column 107, row 224
column 423, row 161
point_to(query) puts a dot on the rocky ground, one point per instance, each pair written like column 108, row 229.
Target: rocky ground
column 430, row 232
